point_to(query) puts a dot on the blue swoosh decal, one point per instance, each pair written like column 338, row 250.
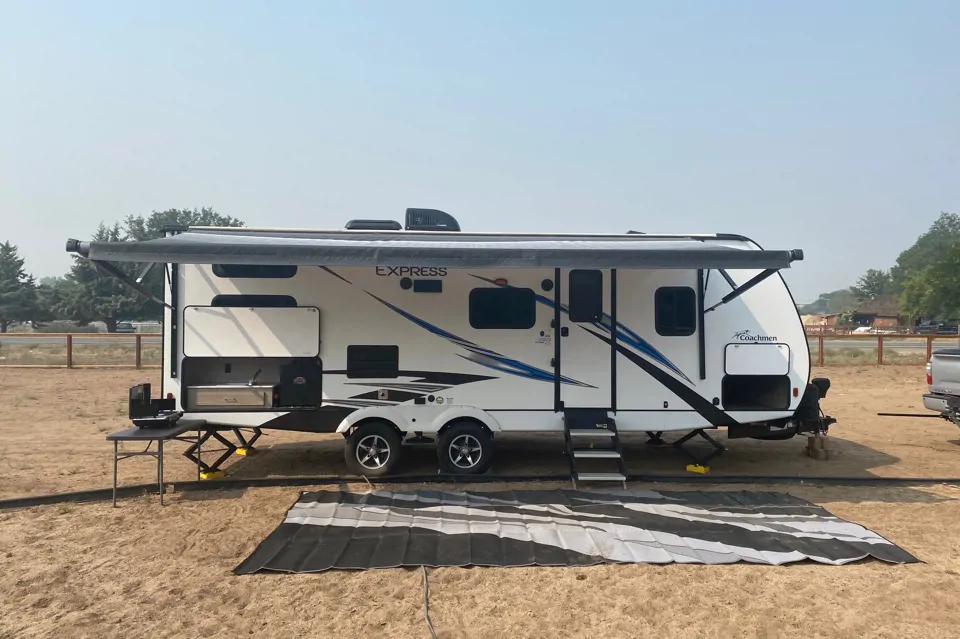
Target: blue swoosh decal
column 483, row 356
column 624, row 334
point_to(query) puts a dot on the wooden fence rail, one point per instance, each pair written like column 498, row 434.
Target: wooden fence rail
column 69, row 341
column 883, row 344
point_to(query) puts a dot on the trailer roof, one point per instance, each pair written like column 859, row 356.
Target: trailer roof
column 429, row 248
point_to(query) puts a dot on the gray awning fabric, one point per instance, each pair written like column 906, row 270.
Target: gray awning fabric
column 442, row 249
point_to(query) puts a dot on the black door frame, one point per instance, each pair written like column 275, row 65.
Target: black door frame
column 558, row 405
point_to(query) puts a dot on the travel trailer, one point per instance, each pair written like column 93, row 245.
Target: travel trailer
column 388, row 333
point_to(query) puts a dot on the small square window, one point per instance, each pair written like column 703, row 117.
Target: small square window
column 503, row 308
column 675, row 308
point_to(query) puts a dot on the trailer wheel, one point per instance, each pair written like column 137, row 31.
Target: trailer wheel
column 465, row 448
column 373, row 449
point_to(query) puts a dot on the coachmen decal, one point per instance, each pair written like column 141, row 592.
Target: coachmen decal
column 747, row 336
column 411, row 271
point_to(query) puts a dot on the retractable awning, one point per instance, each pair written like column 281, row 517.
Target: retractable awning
column 248, row 246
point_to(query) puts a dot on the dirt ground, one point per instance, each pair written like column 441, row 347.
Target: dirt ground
column 144, row 571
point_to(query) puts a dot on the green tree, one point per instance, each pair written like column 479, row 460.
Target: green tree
column 89, row 294
column 138, row 227
column 50, row 295
column 832, row 302
column 934, row 291
column 929, row 249
column 18, row 290
column 872, row 284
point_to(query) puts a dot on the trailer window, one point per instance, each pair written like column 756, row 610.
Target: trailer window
column 364, row 362
column 675, row 308
column 255, row 271
column 255, row 301
column 503, row 308
column 586, row 296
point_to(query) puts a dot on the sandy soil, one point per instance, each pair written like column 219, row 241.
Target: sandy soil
column 54, row 423
column 142, row 571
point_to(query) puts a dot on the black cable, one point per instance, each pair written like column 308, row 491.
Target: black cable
column 426, row 603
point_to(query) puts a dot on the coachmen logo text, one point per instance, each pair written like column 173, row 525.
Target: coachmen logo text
column 747, row 336
column 411, row 271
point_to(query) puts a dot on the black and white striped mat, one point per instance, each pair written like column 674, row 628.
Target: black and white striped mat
column 382, row 529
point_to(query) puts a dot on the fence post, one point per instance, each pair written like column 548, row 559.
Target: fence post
column 929, row 347
column 820, row 349
column 880, row 349
column 139, row 350
column 69, row 350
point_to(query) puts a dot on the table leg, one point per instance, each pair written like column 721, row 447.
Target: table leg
column 160, row 469
column 115, row 445
column 199, row 453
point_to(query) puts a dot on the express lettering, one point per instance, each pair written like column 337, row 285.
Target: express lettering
column 411, row 271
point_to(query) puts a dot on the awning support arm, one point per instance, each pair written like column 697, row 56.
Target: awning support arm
column 727, row 277
column 143, row 273
column 740, row 290
column 112, row 270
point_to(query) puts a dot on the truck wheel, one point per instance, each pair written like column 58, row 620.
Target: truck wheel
column 373, row 449
column 465, row 448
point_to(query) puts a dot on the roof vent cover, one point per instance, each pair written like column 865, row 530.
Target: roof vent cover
column 373, row 225
column 430, row 220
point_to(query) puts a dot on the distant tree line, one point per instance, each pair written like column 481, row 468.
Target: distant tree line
column 925, row 279
column 87, row 294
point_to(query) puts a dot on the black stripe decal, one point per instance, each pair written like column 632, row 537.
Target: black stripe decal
column 428, row 377
column 697, row 402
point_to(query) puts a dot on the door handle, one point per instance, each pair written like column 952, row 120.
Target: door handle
column 564, row 331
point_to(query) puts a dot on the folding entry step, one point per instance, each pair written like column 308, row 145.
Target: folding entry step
column 589, row 433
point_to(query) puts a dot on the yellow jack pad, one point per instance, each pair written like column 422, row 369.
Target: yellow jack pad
column 697, row 468
column 247, row 452
column 214, row 474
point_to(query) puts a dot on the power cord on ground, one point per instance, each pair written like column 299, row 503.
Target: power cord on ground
column 426, row 603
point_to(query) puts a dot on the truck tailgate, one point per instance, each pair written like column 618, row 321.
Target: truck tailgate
column 945, row 371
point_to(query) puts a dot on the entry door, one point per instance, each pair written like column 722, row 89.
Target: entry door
column 584, row 357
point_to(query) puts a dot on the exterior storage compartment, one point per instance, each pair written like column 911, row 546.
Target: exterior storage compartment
column 229, row 397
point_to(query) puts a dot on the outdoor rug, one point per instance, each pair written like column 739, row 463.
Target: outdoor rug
column 383, row 529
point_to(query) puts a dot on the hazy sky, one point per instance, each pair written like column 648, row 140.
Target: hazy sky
column 828, row 126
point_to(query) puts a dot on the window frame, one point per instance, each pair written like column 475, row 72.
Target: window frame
column 529, row 300
column 254, row 300
column 255, row 271
column 675, row 331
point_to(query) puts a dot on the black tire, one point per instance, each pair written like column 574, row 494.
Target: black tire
column 471, row 438
column 385, row 442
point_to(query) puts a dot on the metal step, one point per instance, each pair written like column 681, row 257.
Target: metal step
column 590, row 453
column 590, row 432
column 600, row 477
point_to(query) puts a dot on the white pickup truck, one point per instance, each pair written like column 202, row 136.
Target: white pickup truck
column 943, row 380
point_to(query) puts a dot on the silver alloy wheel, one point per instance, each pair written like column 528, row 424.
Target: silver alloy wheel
column 465, row 451
column 373, row 451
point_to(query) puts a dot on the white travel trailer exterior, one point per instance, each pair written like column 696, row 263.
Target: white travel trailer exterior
column 380, row 333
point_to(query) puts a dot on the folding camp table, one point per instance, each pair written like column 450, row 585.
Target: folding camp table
column 151, row 435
